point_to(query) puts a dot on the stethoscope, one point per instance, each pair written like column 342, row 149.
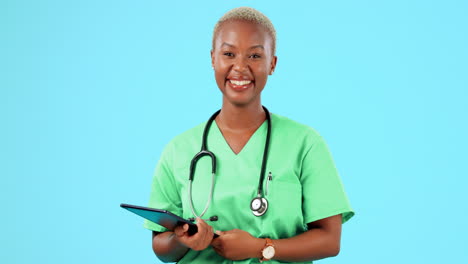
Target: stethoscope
column 259, row 204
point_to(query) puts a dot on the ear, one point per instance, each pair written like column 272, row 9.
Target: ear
column 273, row 64
column 212, row 58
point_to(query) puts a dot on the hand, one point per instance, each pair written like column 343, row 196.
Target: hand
column 237, row 244
column 198, row 241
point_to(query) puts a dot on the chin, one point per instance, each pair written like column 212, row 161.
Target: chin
column 240, row 102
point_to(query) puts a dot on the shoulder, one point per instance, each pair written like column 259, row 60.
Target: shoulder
column 284, row 126
column 189, row 138
column 193, row 133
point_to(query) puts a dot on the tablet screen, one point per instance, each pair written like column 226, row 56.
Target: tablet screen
column 160, row 217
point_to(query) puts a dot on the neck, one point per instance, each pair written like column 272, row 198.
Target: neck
column 234, row 117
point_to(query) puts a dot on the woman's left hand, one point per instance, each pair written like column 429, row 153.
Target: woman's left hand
column 237, row 244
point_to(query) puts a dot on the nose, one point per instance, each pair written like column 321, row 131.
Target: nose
column 240, row 64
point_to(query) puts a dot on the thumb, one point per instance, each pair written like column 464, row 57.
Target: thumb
column 219, row 233
column 180, row 230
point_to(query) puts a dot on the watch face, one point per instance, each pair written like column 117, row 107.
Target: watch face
column 268, row 252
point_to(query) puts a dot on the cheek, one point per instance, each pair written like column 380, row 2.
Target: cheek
column 223, row 65
column 262, row 67
column 220, row 77
column 221, row 71
column 261, row 73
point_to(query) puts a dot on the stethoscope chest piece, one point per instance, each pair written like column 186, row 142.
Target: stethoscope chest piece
column 259, row 206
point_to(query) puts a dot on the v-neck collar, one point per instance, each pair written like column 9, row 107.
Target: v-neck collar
column 261, row 130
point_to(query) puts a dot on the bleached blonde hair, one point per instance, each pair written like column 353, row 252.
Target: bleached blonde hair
column 247, row 14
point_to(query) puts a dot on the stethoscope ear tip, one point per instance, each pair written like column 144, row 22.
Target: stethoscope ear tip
column 212, row 219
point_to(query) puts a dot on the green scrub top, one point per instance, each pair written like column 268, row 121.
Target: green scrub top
column 305, row 184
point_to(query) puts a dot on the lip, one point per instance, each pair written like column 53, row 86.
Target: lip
column 239, row 88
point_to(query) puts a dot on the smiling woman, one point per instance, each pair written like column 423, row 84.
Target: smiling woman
column 275, row 192
column 242, row 57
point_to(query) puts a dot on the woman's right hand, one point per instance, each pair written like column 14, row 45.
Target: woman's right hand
column 198, row 241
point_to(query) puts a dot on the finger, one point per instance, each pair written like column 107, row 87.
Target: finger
column 178, row 231
column 201, row 223
column 233, row 231
column 181, row 230
column 209, row 232
column 219, row 233
column 215, row 243
column 206, row 231
column 219, row 251
column 203, row 227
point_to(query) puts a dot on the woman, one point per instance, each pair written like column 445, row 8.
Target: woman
column 276, row 196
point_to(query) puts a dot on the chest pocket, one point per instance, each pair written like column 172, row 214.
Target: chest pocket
column 284, row 214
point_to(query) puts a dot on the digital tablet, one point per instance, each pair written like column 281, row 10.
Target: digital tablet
column 161, row 217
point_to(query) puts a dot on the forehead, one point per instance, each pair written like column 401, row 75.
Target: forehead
column 242, row 33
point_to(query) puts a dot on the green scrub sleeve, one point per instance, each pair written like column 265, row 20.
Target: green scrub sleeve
column 164, row 194
column 322, row 189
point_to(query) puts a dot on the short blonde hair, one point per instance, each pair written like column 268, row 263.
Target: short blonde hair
column 247, row 14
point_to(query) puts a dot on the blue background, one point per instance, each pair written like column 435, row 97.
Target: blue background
column 91, row 91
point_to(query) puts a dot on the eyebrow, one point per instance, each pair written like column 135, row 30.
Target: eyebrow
column 257, row 47
column 253, row 47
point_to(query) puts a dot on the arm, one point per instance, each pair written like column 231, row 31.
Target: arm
column 320, row 241
column 172, row 246
column 167, row 248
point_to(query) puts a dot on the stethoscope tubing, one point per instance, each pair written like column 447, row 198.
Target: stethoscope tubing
column 210, row 197
column 205, row 152
column 265, row 153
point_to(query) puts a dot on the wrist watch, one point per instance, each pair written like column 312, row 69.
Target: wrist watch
column 268, row 251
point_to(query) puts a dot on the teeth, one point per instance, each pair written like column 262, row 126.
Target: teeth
column 240, row 82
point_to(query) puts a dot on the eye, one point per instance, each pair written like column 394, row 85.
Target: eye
column 229, row 54
column 255, row 56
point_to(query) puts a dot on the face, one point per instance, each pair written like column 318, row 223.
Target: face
column 242, row 58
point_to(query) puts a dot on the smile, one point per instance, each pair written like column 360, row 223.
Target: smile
column 240, row 82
